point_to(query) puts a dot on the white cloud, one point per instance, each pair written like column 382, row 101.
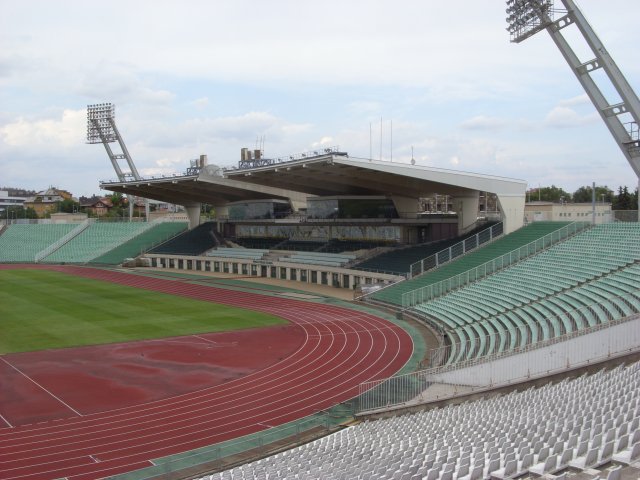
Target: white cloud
column 579, row 100
column 297, row 74
column 565, row 117
column 120, row 83
column 67, row 130
column 323, row 142
column 201, row 102
column 483, row 122
column 364, row 107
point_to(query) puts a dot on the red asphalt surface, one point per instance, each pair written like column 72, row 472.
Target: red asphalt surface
column 340, row 348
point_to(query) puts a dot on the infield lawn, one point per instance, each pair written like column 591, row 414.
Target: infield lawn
column 42, row 309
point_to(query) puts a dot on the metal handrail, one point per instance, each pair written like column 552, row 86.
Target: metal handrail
column 62, row 241
column 460, row 247
column 399, row 389
column 429, row 292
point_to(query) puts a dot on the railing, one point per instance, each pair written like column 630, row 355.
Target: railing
column 169, row 236
column 630, row 216
column 429, row 292
column 474, row 350
column 59, row 243
column 222, row 455
column 455, row 251
column 404, row 388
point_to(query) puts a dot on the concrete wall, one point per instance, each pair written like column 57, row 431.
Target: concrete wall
column 616, row 340
column 512, row 208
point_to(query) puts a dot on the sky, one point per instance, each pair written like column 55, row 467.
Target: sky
column 376, row 77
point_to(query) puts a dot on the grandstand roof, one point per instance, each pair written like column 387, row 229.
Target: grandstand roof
column 342, row 175
column 205, row 187
column 322, row 175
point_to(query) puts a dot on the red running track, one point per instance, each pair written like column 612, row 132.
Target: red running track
column 341, row 349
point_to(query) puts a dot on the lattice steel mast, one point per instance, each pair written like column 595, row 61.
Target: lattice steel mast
column 101, row 128
column 527, row 17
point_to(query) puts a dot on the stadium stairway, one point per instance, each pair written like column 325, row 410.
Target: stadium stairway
column 157, row 234
column 21, row 243
column 508, row 243
column 96, row 240
column 399, row 260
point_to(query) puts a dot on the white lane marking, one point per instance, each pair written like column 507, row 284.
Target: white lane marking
column 40, row 386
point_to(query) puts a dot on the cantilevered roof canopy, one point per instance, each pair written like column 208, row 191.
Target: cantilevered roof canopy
column 341, row 175
column 332, row 175
column 201, row 188
column 327, row 175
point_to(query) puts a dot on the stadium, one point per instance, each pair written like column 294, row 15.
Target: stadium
column 326, row 321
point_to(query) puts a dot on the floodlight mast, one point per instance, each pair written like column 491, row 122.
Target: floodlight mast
column 527, row 17
column 101, row 128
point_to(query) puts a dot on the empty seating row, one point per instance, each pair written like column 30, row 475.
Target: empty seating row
column 319, row 258
column 475, row 258
column 96, row 240
column 557, row 291
column 480, row 327
column 341, row 246
column 21, row 243
column 399, row 260
column 239, row 253
column 258, row 242
column 139, row 244
column 583, row 423
column 300, row 245
column 192, row 242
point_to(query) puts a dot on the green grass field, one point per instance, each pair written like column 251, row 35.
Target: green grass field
column 42, row 309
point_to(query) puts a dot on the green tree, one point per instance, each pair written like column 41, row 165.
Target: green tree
column 584, row 194
column 119, row 205
column 31, row 213
column 624, row 200
column 548, row 194
column 117, row 199
column 68, row 206
column 17, row 212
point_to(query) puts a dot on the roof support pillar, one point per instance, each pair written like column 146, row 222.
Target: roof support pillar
column 512, row 210
column 193, row 212
column 467, row 209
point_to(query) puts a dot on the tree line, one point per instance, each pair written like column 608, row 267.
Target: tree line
column 620, row 200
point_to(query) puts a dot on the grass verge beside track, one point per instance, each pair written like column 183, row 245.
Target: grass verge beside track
column 42, row 309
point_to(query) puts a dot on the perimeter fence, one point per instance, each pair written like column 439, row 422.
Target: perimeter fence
column 226, row 454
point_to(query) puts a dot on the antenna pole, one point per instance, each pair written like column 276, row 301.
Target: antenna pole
column 380, row 138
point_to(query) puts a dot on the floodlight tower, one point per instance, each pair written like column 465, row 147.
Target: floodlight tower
column 101, row 128
column 528, row 17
